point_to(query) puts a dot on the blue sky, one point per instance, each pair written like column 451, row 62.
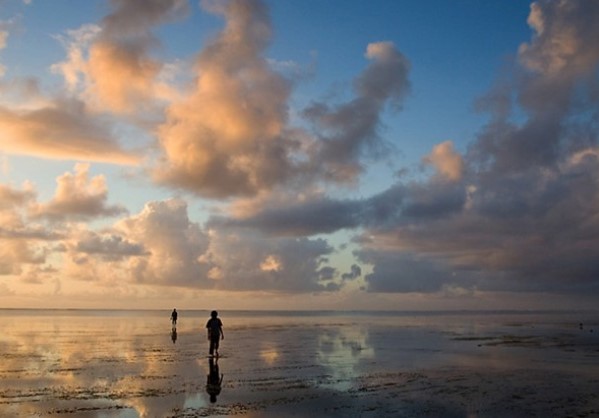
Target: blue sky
column 284, row 154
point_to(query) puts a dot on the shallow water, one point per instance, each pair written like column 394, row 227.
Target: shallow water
column 317, row 364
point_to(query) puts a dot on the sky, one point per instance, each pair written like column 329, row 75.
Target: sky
column 276, row 154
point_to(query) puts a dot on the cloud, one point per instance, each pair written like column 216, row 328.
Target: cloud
column 319, row 214
column 347, row 131
column 63, row 130
column 247, row 260
column 10, row 197
column 564, row 39
column 110, row 63
column 225, row 137
column 231, row 135
column 21, row 242
column 446, row 161
column 516, row 212
column 316, row 215
column 79, row 197
column 353, row 274
column 404, row 272
column 110, row 246
column 159, row 246
column 174, row 245
column 52, row 127
column 523, row 215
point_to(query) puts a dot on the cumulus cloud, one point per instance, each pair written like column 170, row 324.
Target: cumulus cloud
column 516, row 212
column 175, row 245
column 79, row 197
column 564, row 39
column 524, row 213
column 59, row 127
column 21, row 242
column 248, row 260
column 110, row 63
column 231, row 135
column 225, row 137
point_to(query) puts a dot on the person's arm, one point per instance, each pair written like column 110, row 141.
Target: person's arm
column 222, row 334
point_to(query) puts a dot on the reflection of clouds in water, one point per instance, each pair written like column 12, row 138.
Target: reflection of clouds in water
column 341, row 351
column 269, row 354
column 97, row 362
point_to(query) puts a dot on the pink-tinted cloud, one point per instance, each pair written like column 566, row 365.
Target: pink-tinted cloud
column 175, row 245
column 225, row 138
column 79, row 197
column 231, row 135
column 62, row 130
column 446, row 161
column 110, row 64
column 21, row 242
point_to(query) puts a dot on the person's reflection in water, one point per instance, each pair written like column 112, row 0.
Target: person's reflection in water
column 214, row 380
column 174, row 335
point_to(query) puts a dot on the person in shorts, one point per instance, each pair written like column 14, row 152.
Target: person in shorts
column 215, row 333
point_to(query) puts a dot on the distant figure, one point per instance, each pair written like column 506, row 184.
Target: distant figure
column 174, row 316
column 214, row 380
column 174, row 335
column 215, row 332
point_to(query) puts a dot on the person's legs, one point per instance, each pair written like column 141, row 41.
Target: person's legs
column 213, row 346
column 216, row 346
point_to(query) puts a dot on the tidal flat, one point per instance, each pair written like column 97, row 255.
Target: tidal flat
column 129, row 364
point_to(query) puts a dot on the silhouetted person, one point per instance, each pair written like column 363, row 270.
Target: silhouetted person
column 174, row 335
column 214, row 380
column 215, row 332
column 174, row 316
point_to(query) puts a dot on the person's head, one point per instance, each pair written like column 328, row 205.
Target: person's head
column 213, row 314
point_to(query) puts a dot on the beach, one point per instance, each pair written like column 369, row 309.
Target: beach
column 117, row 364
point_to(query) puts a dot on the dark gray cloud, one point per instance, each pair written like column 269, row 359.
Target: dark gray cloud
column 322, row 215
column 349, row 131
column 111, row 246
column 404, row 272
column 522, row 215
column 528, row 219
column 136, row 16
column 354, row 273
column 400, row 203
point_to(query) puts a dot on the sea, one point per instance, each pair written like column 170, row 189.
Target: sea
column 135, row 363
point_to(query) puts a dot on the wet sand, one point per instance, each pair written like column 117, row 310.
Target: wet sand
column 130, row 364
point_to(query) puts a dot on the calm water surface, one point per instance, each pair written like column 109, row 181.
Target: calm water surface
column 81, row 363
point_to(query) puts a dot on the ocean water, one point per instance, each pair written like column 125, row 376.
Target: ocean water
column 102, row 363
